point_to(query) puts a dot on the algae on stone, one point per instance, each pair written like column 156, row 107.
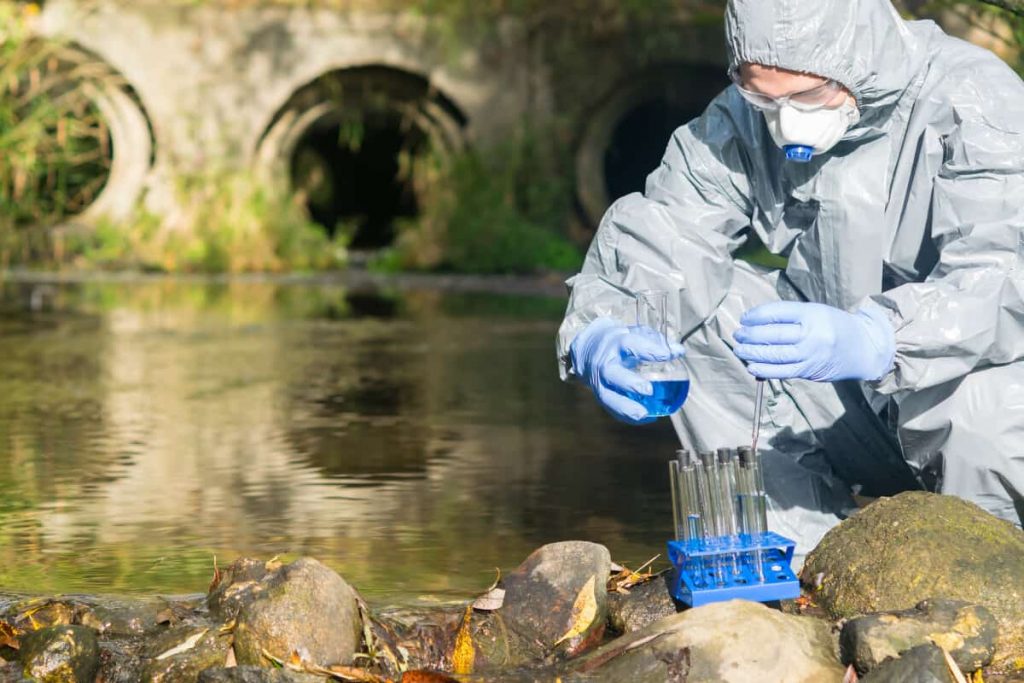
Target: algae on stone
column 915, row 546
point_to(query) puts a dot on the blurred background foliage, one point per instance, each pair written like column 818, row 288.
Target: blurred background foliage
column 503, row 209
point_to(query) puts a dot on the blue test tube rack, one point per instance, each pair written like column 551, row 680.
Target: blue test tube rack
column 725, row 568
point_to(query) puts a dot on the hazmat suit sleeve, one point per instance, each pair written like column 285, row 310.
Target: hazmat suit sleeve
column 678, row 236
column 969, row 312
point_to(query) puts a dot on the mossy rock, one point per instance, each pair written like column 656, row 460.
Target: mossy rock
column 61, row 654
column 914, row 546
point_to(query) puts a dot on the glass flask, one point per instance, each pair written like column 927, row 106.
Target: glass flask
column 670, row 380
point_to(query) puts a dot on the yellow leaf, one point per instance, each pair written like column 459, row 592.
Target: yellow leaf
column 465, row 655
column 584, row 610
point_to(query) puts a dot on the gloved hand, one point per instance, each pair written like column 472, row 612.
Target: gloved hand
column 603, row 355
column 790, row 339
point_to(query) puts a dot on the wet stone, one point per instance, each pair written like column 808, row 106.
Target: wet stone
column 967, row 632
column 256, row 674
column 549, row 596
column 60, row 654
column 645, row 604
column 122, row 618
column 302, row 607
column 922, row 664
column 38, row 613
column 729, row 642
column 917, row 546
column 238, row 586
column 120, row 661
column 184, row 652
column 10, row 672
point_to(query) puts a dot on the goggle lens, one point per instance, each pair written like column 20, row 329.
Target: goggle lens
column 808, row 100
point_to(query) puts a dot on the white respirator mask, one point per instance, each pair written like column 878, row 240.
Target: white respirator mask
column 804, row 134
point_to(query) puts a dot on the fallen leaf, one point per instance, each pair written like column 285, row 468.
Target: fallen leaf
column 167, row 616
column 217, row 576
column 8, row 636
column 189, row 643
column 230, row 662
column 490, row 601
column 338, row 673
column 626, row 578
column 427, row 677
column 464, row 656
column 584, row 611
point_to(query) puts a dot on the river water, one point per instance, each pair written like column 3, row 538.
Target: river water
column 414, row 439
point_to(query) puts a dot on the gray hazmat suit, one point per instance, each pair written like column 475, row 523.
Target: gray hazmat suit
column 919, row 210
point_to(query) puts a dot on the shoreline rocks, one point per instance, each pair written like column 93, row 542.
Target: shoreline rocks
column 918, row 546
column 564, row 614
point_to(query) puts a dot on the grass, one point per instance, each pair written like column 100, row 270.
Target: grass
column 497, row 210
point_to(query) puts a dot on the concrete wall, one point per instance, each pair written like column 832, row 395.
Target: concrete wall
column 218, row 85
column 237, row 85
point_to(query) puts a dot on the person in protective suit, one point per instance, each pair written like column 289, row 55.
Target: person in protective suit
column 885, row 161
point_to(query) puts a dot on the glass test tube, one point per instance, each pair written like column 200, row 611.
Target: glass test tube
column 696, row 527
column 727, row 484
column 677, row 503
column 752, row 503
column 695, row 522
column 709, row 468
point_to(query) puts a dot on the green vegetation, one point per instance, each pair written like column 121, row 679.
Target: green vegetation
column 54, row 146
column 997, row 24
column 500, row 210
column 227, row 221
column 55, row 154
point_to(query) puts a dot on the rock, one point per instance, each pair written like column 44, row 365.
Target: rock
column 120, row 661
column 922, row 664
column 302, row 607
column 558, row 597
column 967, row 632
column 124, row 617
column 256, row 674
column 237, row 587
column 645, row 604
column 37, row 613
column 555, row 606
column 61, row 654
column 10, row 672
column 899, row 551
column 184, row 652
column 730, row 642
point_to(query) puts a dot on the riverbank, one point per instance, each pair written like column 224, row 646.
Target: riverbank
column 546, row 285
column 569, row 613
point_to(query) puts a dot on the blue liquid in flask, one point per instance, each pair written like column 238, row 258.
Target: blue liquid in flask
column 668, row 397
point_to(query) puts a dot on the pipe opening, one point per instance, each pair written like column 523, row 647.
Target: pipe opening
column 352, row 143
column 628, row 132
column 357, row 176
column 638, row 143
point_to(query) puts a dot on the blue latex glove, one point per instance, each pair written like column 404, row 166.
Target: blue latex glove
column 789, row 339
column 603, row 355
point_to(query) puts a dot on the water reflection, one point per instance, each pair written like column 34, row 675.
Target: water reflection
column 413, row 440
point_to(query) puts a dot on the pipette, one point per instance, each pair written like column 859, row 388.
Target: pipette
column 758, row 405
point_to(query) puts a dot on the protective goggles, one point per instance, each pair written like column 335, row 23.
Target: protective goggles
column 814, row 99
